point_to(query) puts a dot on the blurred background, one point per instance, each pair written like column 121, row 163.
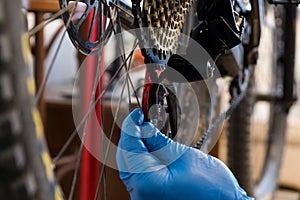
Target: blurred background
column 60, row 85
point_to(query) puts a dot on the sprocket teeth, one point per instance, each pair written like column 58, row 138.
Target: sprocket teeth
column 169, row 16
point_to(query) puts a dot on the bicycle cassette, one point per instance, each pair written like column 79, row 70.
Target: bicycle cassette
column 163, row 21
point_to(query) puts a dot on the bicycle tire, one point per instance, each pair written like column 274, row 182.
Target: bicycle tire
column 239, row 134
column 24, row 161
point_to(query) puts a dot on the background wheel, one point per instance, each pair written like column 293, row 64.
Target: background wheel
column 242, row 156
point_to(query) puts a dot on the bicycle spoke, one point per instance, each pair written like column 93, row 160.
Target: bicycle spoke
column 40, row 26
column 84, row 122
column 87, row 115
column 107, row 149
column 126, row 67
column 91, row 29
column 45, row 80
column 127, row 82
column 128, row 78
column 121, row 9
column 95, row 84
column 84, row 16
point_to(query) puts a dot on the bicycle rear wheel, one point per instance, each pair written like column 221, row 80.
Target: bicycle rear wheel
column 241, row 150
column 38, row 162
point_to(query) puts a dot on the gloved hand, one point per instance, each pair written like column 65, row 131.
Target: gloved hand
column 153, row 166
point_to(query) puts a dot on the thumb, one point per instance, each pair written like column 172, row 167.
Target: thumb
column 162, row 147
column 132, row 155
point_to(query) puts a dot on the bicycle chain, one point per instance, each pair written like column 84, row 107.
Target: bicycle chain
column 224, row 115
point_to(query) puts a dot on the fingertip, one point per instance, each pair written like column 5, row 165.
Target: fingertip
column 132, row 123
column 137, row 116
column 148, row 130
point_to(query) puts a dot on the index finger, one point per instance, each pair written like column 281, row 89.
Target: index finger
column 132, row 154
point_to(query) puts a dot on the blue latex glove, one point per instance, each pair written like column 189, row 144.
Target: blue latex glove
column 153, row 166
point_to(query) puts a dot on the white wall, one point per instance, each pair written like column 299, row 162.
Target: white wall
column 65, row 64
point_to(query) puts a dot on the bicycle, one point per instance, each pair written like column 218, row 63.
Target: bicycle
column 160, row 94
column 280, row 97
